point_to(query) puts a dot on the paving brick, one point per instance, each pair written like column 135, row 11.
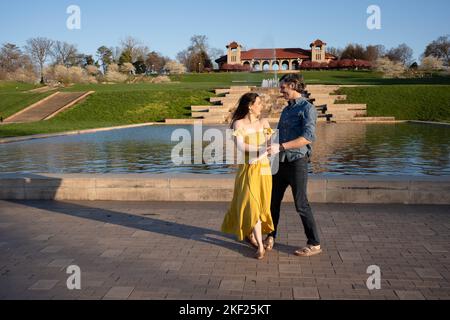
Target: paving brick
column 409, row 295
column 164, row 250
column 119, row 293
column 305, row 293
column 44, row 285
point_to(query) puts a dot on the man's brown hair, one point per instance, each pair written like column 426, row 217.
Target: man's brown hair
column 295, row 80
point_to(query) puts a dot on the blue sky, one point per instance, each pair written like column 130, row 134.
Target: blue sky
column 166, row 26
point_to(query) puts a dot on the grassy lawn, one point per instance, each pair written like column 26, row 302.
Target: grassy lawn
column 311, row 77
column 13, row 97
column 122, row 104
column 12, row 86
column 114, row 105
column 405, row 102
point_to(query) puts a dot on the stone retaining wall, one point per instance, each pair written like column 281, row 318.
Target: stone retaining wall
column 201, row 187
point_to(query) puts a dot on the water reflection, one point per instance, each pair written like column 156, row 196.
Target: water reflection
column 341, row 149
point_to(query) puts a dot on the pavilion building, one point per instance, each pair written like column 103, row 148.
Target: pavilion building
column 273, row 59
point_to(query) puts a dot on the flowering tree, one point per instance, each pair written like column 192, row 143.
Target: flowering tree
column 174, row 67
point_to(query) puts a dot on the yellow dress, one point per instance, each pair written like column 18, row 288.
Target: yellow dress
column 252, row 192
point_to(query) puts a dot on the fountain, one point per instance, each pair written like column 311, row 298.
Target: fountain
column 270, row 83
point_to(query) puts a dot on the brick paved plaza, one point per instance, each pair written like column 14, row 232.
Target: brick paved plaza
column 156, row 250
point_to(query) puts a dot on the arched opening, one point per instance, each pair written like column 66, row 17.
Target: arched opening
column 285, row 65
column 247, row 65
column 256, row 66
column 275, row 66
column 266, row 66
column 295, row 65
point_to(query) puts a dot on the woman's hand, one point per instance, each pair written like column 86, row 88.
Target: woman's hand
column 274, row 149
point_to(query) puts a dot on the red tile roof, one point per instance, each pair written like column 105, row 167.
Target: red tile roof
column 288, row 53
column 317, row 43
column 233, row 45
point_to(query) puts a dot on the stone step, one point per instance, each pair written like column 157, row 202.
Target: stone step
column 193, row 121
column 216, row 108
column 200, row 108
column 320, row 91
column 347, row 106
column 196, row 114
column 221, row 91
column 237, row 88
column 375, row 119
column 335, row 108
column 327, row 101
column 239, row 91
column 322, row 86
column 221, row 99
column 210, row 113
column 180, row 121
column 219, row 109
column 348, row 115
column 208, row 116
column 328, row 96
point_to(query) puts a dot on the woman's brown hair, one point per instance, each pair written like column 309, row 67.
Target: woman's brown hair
column 245, row 102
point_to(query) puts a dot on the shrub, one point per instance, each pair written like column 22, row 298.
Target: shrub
column 77, row 75
column 127, row 68
column 390, row 69
column 306, row 65
column 174, row 67
column 115, row 77
column 92, row 70
column 235, row 67
column 161, row 79
column 431, row 63
column 22, row 75
column 113, row 67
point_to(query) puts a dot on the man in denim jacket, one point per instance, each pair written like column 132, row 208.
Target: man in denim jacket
column 297, row 130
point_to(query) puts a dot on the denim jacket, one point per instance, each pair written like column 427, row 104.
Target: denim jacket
column 298, row 119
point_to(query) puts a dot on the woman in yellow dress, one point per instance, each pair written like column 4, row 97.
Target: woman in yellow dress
column 248, row 217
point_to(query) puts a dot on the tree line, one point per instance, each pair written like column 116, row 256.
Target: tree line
column 131, row 56
column 134, row 57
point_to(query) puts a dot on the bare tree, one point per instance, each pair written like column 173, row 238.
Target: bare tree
column 64, row 53
column 199, row 43
column 183, row 57
column 105, row 56
column 195, row 57
column 372, row 53
column 10, row 57
column 402, row 54
column 215, row 54
column 155, row 61
column 337, row 52
column 39, row 49
column 115, row 54
column 439, row 48
column 135, row 47
column 353, row 51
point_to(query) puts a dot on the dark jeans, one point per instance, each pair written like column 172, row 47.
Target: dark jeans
column 294, row 174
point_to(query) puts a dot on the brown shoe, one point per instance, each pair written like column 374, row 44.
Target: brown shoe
column 308, row 251
column 269, row 243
